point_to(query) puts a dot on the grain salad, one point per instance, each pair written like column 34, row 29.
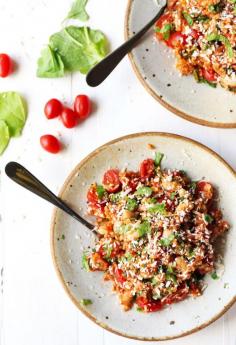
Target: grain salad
column 203, row 36
column 156, row 232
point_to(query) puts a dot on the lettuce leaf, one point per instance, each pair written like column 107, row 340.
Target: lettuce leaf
column 12, row 112
column 80, row 48
column 78, row 11
column 50, row 64
column 4, row 136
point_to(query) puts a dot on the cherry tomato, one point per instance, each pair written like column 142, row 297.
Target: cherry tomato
column 82, row 106
column 92, row 195
column 147, row 168
column 69, row 118
column 50, row 143
column 205, row 189
column 176, row 39
column 111, row 180
column 148, row 305
column 209, row 75
column 119, row 275
column 5, row 65
column 53, row 108
column 163, row 20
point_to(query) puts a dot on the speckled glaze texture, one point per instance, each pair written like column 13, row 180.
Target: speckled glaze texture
column 69, row 239
column 154, row 64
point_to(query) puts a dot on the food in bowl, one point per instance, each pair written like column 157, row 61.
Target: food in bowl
column 156, row 231
column 202, row 35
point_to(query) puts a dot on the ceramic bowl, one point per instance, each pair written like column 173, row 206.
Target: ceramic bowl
column 69, row 239
column 154, row 64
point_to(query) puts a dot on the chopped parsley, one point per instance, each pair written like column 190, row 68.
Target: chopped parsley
column 144, row 191
column 85, row 302
column 85, row 263
column 214, row 276
column 131, row 204
column 158, row 208
column 158, row 158
column 100, row 191
column 208, row 218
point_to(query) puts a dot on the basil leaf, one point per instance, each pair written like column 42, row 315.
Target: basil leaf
column 12, row 112
column 50, row 64
column 85, row 263
column 131, row 204
column 144, row 191
column 221, row 38
column 78, row 11
column 4, row 136
column 208, row 218
column 158, row 208
column 188, row 18
column 80, row 48
column 144, row 228
column 158, row 158
column 100, row 191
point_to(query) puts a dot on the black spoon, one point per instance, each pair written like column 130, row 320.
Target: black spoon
column 24, row 178
column 103, row 69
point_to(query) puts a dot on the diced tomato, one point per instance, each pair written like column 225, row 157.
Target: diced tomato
column 92, row 195
column 205, row 190
column 176, row 39
column 134, row 179
column 147, row 168
column 119, row 276
column 163, row 20
column 178, row 296
column 210, row 75
column 111, row 180
column 148, row 305
column 195, row 34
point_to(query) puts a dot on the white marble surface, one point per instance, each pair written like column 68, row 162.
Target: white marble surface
column 34, row 308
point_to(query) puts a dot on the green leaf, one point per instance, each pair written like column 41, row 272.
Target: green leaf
column 85, row 263
column 208, row 218
column 78, row 11
column 165, row 242
column 131, row 204
column 221, row 38
column 158, row 208
column 165, row 31
column 172, row 195
column 4, row 136
column 50, row 64
column 144, row 228
column 144, row 191
column 158, row 158
column 13, row 112
column 214, row 276
column 188, row 18
column 100, row 191
column 86, row 302
column 115, row 197
column 80, row 48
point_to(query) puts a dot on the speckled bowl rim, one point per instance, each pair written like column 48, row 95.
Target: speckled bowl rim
column 168, row 106
column 52, row 230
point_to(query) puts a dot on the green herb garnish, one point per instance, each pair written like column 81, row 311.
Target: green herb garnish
column 86, row 302
column 165, row 31
column 131, row 204
column 214, row 276
column 158, row 158
column 115, row 197
column 172, row 195
column 85, row 263
column 208, row 218
column 165, row 242
column 144, row 191
column 100, row 191
column 158, row 208
column 221, row 38
column 144, row 228
column 188, row 18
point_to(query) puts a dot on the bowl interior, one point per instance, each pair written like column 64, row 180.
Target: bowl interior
column 70, row 239
column 154, row 64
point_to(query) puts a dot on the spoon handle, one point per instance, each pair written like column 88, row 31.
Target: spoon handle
column 103, row 69
column 24, row 178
